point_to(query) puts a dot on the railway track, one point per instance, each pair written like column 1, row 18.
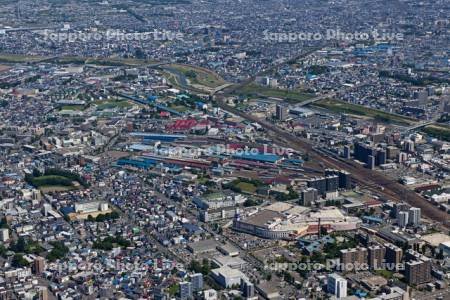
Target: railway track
column 366, row 178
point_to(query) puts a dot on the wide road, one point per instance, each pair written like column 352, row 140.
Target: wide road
column 369, row 179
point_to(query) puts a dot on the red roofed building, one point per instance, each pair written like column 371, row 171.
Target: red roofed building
column 372, row 203
column 182, row 125
column 278, row 180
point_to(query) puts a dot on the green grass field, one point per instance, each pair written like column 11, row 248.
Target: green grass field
column 11, row 58
column 198, row 75
column 291, row 96
column 4, row 68
column 53, row 183
column 111, row 104
column 72, row 107
column 246, row 187
column 120, row 61
column 441, row 132
column 359, row 110
column 192, row 78
column 179, row 108
column 56, row 188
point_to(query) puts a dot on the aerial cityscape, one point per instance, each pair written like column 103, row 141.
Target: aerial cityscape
column 225, row 149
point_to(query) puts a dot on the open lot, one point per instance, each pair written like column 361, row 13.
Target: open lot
column 262, row 91
column 358, row 111
column 12, row 58
column 198, row 75
column 438, row 131
column 111, row 104
column 72, row 107
column 120, row 61
column 55, row 189
column 4, row 68
column 246, row 187
column 191, row 78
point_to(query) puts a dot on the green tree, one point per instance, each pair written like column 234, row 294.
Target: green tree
column 3, row 251
column 18, row 261
column 4, row 223
column 19, row 246
column 59, row 251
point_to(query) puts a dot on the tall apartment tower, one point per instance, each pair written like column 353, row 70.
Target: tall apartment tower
column 417, row 268
column 307, row 196
column 345, row 180
column 418, row 271
column 337, row 285
column 185, row 290
column 394, row 254
column 197, row 281
column 403, row 219
column 39, row 265
column 43, row 293
column 248, row 289
column 281, row 112
column 414, row 216
column 347, row 152
column 4, row 234
column 376, row 255
column 353, row 257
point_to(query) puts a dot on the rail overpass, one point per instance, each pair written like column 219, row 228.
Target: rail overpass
column 419, row 125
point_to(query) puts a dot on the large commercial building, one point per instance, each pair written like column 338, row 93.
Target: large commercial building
column 81, row 211
column 282, row 220
column 219, row 214
column 228, row 277
column 218, row 200
column 90, row 207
